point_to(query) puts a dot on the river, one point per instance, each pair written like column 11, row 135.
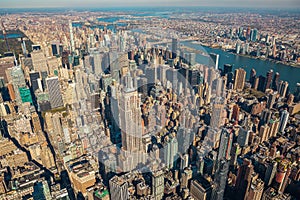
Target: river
column 287, row 73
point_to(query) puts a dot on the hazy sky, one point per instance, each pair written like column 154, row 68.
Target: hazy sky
column 138, row 3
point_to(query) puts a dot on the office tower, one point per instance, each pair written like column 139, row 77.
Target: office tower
column 283, row 172
column 220, row 180
column 270, row 172
column 235, row 112
column 18, row 81
column 284, row 117
column 171, row 151
column 269, row 79
column 238, row 47
column 118, row 188
column 274, row 125
column 272, row 97
column 55, row 96
column 263, row 133
column 39, row 61
column 275, row 84
column 175, row 44
column 130, row 117
column 243, row 137
column 217, row 119
column 65, row 59
column 266, row 116
column 227, row 69
column 201, row 189
column 158, row 185
column 194, row 77
column 283, row 87
column 192, row 59
column 235, row 151
column 255, row 190
column 186, row 176
column 290, row 99
column 34, row 76
column 41, row 191
column 253, row 35
column 214, row 60
column 225, row 144
column 244, row 176
column 261, row 83
column 71, row 36
column 239, row 79
column 96, row 62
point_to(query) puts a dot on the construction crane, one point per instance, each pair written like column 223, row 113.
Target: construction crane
column 4, row 35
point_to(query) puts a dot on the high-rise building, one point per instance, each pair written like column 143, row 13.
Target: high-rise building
column 34, row 76
column 272, row 97
column 227, row 69
column 71, row 36
column 201, row 189
column 270, row 172
column 214, row 60
column 243, row 137
column 39, row 61
column 255, row 190
column 239, row 79
column 244, row 176
column 252, row 76
column 216, row 119
column 158, row 185
column 225, row 145
column 118, row 188
column 275, row 84
column 55, row 96
column 269, row 79
column 41, row 191
column 284, row 117
column 130, row 117
column 18, row 81
column 175, row 44
column 253, row 35
column 261, row 83
column 283, row 87
column 220, row 180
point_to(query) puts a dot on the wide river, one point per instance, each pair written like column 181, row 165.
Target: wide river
column 287, row 73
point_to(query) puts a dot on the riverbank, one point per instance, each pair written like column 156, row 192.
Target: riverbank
column 296, row 65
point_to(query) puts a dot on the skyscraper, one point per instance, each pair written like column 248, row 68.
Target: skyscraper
column 220, row 180
column 71, row 36
column 217, row 111
column 239, row 79
column 243, row 137
column 282, row 89
column 225, row 145
column 130, row 117
column 270, row 172
column 275, row 84
column 252, row 76
column 243, row 180
column 174, row 47
column 118, row 188
column 284, row 117
column 55, row 96
column 269, row 79
column 34, row 76
column 158, row 184
column 214, row 60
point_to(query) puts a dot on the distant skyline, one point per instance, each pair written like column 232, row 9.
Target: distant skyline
column 148, row 3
